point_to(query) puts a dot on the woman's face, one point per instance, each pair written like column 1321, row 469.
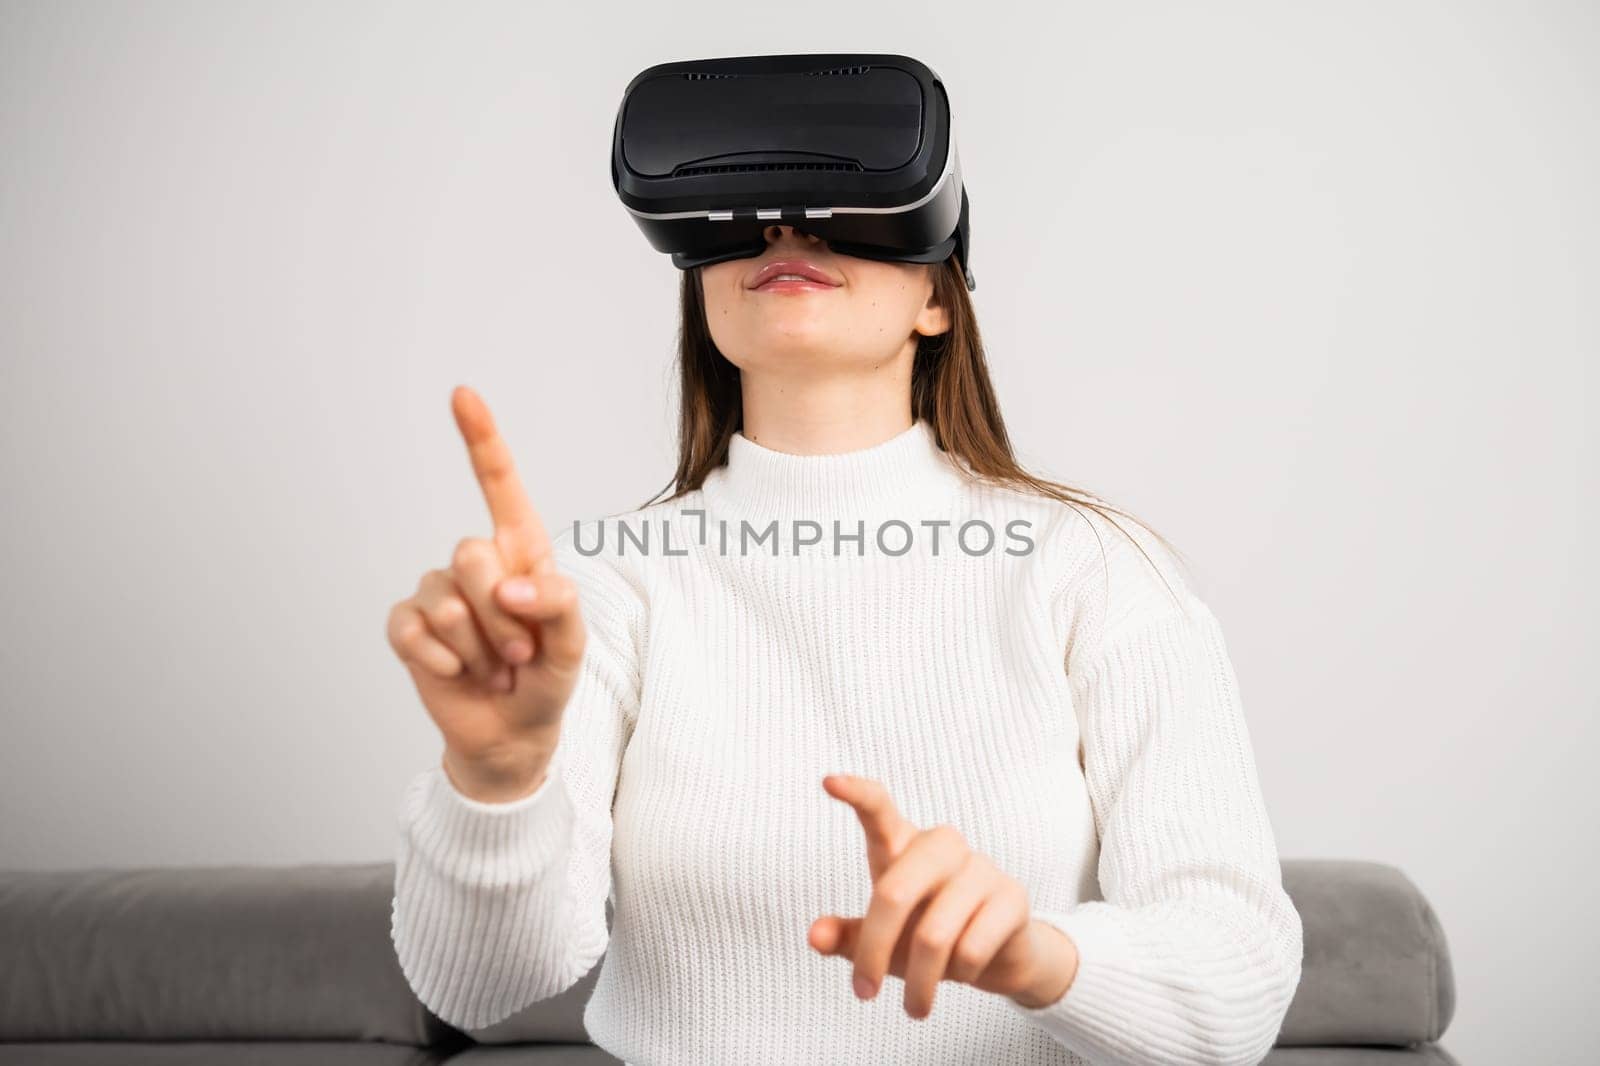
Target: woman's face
column 873, row 312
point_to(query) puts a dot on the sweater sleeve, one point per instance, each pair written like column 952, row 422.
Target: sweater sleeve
column 498, row 905
column 1194, row 952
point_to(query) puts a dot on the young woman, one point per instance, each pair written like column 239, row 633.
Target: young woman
column 859, row 699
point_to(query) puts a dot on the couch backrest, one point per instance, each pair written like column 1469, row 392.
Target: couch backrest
column 304, row 953
column 1377, row 966
column 205, row 953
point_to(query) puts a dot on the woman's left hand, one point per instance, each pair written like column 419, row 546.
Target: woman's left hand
column 940, row 912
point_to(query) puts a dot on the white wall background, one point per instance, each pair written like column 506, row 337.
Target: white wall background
column 1309, row 287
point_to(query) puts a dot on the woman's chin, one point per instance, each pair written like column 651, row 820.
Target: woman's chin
column 819, row 349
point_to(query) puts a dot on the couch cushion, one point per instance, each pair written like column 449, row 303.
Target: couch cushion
column 204, row 1053
column 1377, row 967
column 205, row 953
column 558, row 1019
column 1422, row 1055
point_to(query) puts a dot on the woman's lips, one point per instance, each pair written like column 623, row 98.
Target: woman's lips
column 793, row 285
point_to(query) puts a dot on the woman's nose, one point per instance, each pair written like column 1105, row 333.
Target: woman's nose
column 778, row 231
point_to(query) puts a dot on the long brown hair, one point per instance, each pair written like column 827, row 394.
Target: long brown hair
column 950, row 390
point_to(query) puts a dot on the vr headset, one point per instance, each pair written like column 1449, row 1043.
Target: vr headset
column 857, row 149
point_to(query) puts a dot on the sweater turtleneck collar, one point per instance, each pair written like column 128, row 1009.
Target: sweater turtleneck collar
column 906, row 476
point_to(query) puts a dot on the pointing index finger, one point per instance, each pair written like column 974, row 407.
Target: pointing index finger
column 887, row 831
column 518, row 532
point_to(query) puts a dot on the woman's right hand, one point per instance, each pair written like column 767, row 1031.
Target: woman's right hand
column 493, row 665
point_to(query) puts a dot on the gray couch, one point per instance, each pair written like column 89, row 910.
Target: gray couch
column 291, row 966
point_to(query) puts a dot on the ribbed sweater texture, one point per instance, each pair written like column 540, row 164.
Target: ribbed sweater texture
column 1065, row 702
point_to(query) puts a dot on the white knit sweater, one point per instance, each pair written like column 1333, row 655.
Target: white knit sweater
column 1043, row 693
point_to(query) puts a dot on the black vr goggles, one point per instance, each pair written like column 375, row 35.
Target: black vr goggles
column 858, row 149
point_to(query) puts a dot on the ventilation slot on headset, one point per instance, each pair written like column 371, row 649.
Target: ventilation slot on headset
column 706, row 75
column 752, row 168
